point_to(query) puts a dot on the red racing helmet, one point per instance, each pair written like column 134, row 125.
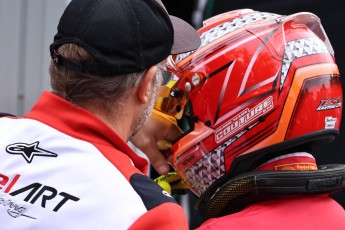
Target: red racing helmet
column 259, row 86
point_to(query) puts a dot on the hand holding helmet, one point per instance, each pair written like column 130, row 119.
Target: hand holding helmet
column 154, row 138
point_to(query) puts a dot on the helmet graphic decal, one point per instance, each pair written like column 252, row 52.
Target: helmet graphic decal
column 327, row 104
column 228, row 27
column 252, row 62
column 207, row 170
column 300, row 48
column 242, row 119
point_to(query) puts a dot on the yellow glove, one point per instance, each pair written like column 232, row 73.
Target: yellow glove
column 172, row 183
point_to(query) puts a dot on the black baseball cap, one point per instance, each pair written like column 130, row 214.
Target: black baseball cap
column 124, row 36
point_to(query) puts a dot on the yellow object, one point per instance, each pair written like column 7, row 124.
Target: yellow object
column 171, row 183
column 165, row 185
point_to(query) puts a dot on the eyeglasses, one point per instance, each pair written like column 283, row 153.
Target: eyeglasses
column 162, row 70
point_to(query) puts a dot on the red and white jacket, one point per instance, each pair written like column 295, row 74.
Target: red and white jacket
column 63, row 168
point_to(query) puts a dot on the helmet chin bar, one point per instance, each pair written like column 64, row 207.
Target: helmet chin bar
column 247, row 188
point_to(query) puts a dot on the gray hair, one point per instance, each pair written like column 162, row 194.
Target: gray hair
column 82, row 89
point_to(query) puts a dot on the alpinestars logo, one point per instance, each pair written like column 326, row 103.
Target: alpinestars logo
column 28, row 151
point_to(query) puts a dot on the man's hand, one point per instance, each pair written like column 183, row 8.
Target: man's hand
column 156, row 137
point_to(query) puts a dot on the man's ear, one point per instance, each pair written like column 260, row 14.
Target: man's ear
column 145, row 86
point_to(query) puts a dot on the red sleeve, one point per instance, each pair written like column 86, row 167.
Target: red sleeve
column 166, row 216
column 122, row 161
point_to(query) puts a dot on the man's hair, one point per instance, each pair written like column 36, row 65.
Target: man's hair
column 81, row 89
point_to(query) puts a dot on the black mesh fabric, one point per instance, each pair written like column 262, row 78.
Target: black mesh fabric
column 124, row 36
column 230, row 192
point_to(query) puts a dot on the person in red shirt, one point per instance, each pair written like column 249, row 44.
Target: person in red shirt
column 66, row 163
column 255, row 102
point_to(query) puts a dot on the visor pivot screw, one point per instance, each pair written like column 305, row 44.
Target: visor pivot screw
column 188, row 87
column 196, row 79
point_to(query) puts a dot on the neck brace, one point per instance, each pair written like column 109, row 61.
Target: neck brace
column 247, row 188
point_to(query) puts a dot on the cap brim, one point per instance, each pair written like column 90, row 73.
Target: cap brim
column 185, row 36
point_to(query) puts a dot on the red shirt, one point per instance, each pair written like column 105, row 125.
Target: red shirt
column 316, row 212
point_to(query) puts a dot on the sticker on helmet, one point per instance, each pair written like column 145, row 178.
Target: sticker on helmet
column 327, row 104
column 242, row 119
column 330, row 122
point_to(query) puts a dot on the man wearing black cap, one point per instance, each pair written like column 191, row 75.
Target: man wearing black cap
column 66, row 164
